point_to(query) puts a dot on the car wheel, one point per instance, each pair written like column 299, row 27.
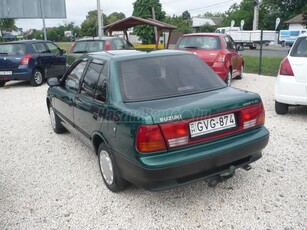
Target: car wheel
column 109, row 171
column 283, row 44
column 2, row 83
column 37, row 77
column 241, row 73
column 228, row 77
column 55, row 121
column 281, row 108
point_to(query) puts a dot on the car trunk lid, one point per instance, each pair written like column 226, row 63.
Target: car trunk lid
column 8, row 62
column 198, row 118
column 299, row 67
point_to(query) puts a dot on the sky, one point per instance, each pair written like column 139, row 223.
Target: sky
column 77, row 10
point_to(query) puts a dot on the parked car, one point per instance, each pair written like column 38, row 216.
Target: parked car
column 89, row 45
column 217, row 50
column 159, row 119
column 32, row 61
column 291, row 81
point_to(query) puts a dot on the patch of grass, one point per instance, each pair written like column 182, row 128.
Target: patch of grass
column 64, row 45
column 270, row 65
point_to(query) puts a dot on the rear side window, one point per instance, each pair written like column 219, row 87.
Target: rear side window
column 13, row 49
column 88, row 46
column 120, row 44
column 300, row 48
column 39, row 48
column 91, row 77
column 200, row 42
column 169, row 76
column 52, row 48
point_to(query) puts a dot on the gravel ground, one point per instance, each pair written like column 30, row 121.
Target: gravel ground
column 50, row 181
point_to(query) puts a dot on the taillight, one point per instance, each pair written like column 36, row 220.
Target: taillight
column 25, row 60
column 108, row 45
column 252, row 116
column 72, row 47
column 221, row 58
column 176, row 133
column 150, row 139
column 285, row 68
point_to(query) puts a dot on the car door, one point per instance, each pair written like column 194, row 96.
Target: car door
column 57, row 60
column 41, row 54
column 90, row 100
column 65, row 95
column 233, row 56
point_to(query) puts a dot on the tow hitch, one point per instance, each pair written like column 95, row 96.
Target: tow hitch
column 215, row 180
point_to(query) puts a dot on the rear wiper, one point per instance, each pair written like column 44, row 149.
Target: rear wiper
column 3, row 53
column 191, row 47
column 80, row 52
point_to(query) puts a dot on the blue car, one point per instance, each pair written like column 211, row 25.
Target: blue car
column 33, row 60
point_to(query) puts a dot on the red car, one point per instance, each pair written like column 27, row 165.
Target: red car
column 217, row 50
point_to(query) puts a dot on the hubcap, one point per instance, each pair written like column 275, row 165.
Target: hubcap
column 52, row 118
column 38, row 77
column 106, row 167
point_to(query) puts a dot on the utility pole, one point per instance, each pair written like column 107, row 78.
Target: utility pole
column 154, row 18
column 43, row 17
column 99, row 19
column 256, row 15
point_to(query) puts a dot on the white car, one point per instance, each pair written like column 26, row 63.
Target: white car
column 291, row 82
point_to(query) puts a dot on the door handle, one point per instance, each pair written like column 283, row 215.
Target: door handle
column 68, row 100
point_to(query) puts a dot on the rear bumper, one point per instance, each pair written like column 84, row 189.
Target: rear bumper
column 18, row 74
column 290, row 92
column 213, row 162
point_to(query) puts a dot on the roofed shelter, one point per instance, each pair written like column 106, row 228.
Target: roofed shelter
column 126, row 23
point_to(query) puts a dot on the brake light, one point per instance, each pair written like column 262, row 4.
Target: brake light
column 221, row 57
column 285, row 68
column 25, row 60
column 150, row 139
column 72, row 47
column 176, row 133
column 253, row 116
column 108, row 45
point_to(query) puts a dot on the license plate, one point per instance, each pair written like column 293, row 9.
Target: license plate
column 211, row 125
column 6, row 72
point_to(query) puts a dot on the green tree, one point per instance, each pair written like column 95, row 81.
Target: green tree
column 7, row 23
column 89, row 26
column 237, row 12
column 284, row 9
column 115, row 16
column 183, row 26
column 143, row 9
column 186, row 15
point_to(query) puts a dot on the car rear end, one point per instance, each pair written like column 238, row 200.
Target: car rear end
column 291, row 82
column 194, row 127
column 207, row 47
column 15, row 63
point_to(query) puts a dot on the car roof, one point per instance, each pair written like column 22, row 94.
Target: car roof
column 24, row 41
column 204, row 34
column 120, row 55
column 97, row 38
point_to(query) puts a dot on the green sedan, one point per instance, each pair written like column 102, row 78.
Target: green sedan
column 157, row 120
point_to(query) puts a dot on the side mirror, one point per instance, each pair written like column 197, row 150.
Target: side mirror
column 63, row 51
column 53, row 81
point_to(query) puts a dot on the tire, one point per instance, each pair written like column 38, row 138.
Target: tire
column 2, row 83
column 55, row 122
column 109, row 170
column 241, row 73
column 283, row 44
column 228, row 77
column 37, row 77
column 281, row 108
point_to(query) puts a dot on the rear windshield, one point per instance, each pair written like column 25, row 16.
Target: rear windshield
column 200, row 42
column 88, row 46
column 13, row 49
column 168, row 76
column 300, row 48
